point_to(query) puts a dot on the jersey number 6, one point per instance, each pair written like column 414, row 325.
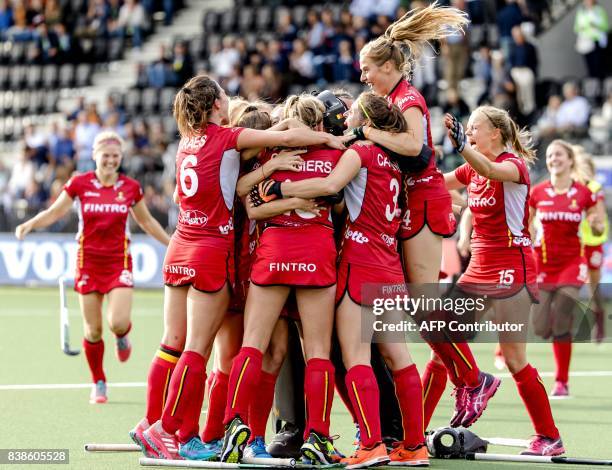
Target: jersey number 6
column 188, row 172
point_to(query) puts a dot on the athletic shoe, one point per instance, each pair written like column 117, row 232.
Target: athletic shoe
column 390, row 443
column 478, row 397
column 599, row 333
column 364, row 458
column 165, row 444
column 123, row 348
column 215, row 446
column 542, row 445
column 286, row 444
column 320, row 449
column 236, row 436
column 137, row 436
column 460, row 397
column 98, row 393
column 357, row 441
column 561, row 390
column 196, row 450
column 256, row 449
column 406, row 457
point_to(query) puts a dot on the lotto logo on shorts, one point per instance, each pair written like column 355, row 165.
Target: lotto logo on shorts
column 126, row 278
column 183, row 270
column 194, row 218
column 293, row 267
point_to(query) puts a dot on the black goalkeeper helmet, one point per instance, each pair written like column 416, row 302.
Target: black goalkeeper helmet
column 335, row 112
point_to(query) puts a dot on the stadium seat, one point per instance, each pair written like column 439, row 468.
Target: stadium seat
column 298, row 15
column 66, row 76
column 6, row 103
column 21, row 102
column 196, row 47
column 211, row 22
column 166, row 99
column 149, row 100
column 133, row 101
column 115, row 49
column 50, row 103
column 50, row 73
column 37, row 102
column 228, row 22
column 4, row 77
column 34, row 76
column 170, row 127
column 18, row 75
column 607, row 87
column 17, row 53
column 245, row 19
column 83, row 75
column 591, row 90
column 263, row 21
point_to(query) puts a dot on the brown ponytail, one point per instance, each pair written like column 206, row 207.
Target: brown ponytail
column 512, row 135
column 193, row 104
column 254, row 118
column 413, row 32
column 306, row 108
column 381, row 114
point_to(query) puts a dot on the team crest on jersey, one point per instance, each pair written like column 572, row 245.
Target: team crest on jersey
column 120, row 197
column 126, row 278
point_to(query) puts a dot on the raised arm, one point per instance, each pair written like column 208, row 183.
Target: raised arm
column 145, row 220
column 451, row 181
column 407, row 143
column 285, row 160
column 347, row 168
column 280, row 206
column 56, row 211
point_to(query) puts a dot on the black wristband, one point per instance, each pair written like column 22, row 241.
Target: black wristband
column 358, row 133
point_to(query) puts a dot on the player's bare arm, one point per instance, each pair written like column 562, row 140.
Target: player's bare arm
column 57, row 210
column 288, row 160
column 150, row 225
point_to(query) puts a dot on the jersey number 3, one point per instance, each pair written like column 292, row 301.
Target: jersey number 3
column 187, row 172
column 395, row 212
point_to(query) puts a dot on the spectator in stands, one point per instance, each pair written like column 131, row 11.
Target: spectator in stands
column 252, row 83
column 53, row 13
column 234, row 81
column 94, row 23
column 362, row 8
column 85, row 131
column 314, row 36
column 158, row 72
column 523, row 63
column 591, row 27
column 483, row 70
column 67, row 49
column 61, row 146
column 301, row 63
column 182, row 64
column 112, row 123
column 36, row 140
column 132, row 22
column 243, row 51
column 276, row 57
column 46, row 48
column 385, row 8
column 502, row 92
column 20, row 30
column 286, row 29
column 22, row 173
column 507, row 18
column 344, row 70
column 547, row 123
column 456, row 51
column 360, row 27
column 6, row 18
column 573, row 115
column 224, row 60
column 455, row 105
column 273, row 84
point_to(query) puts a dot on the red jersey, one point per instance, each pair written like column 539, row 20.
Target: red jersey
column 429, row 183
column 207, row 168
column 559, row 217
column 374, row 214
column 103, row 214
column 499, row 208
column 318, row 163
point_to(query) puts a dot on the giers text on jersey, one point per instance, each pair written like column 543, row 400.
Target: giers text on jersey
column 317, row 166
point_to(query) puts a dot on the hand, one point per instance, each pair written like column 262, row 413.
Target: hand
column 596, row 224
column 455, row 132
column 266, row 191
column 285, row 160
column 335, row 142
column 22, row 230
column 308, row 205
column 463, row 246
column 346, row 138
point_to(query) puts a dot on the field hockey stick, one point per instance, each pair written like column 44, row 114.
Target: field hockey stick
column 261, row 463
column 112, row 448
column 535, row 459
column 64, row 321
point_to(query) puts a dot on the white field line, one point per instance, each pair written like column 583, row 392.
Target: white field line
column 590, row 373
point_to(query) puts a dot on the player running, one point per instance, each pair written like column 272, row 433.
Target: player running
column 558, row 206
column 296, row 250
column 103, row 199
column 593, row 244
column 426, row 204
column 502, row 265
column 199, row 265
column 371, row 183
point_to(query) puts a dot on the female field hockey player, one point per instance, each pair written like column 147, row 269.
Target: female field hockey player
column 558, row 206
column 502, row 265
column 371, row 183
column 103, row 198
column 593, row 244
column 427, row 217
column 296, row 250
column 199, row 265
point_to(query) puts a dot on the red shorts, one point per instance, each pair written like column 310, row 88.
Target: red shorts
column 364, row 283
column 500, row 273
column 594, row 256
column 437, row 214
column 553, row 276
column 206, row 268
column 299, row 257
column 100, row 275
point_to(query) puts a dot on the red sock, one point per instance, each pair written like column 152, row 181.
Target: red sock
column 562, row 349
column 434, row 384
column 129, row 328
column 94, row 352
column 319, row 392
column 365, row 396
column 259, row 411
column 533, row 393
column 158, row 380
column 244, row 377
column 217, row 397
column 459, row 362
column 409, row 392
column 185, row 396
column 344, row 394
